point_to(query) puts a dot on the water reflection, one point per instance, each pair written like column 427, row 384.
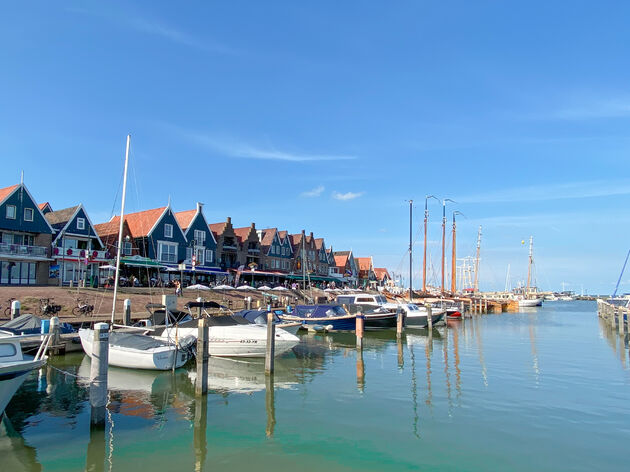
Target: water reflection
column 200, row 424
column 16, row 455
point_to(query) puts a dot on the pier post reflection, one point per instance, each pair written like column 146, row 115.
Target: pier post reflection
column 401, row 357
column 428, row 351
column 270, row 405
column 447, row 374
column 95, row 461
column 199, row 431
column 360, row 371
column 458, row 370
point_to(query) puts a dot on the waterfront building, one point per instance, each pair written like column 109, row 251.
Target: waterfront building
column 276, row 251
column 382, row 277
column 45, row 207
column 201, row 249
column 321, row 267
column 227, row 252
column 366, row 275
column 248, row 246
column 346, row 267
column 25, row 239
column 77, row 250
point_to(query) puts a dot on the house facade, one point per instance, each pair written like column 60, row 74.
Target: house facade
column 321, row 267
column 249, row 246
column 382, row 277
column 77, row 249
column 25, row 239
column 227, row 252
column 276, row 252
column 346, row 267
column 201, row 251
column 366, row 275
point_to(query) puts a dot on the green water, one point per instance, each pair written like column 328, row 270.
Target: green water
column 547, row 389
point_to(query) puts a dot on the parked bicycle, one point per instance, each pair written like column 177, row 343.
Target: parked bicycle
column 47, row 307
column 7, row 310
column 82, row 308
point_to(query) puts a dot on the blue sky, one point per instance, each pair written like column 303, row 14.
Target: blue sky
column 328, row 116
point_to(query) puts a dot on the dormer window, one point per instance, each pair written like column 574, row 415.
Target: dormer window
column 11, row 212
column 168, row 231
column 80, row 223
column 28, row 214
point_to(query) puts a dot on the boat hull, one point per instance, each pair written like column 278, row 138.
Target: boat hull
column 530, row 303
column 161, row 358
column 242, row 340
column 340, row 323
column 421, row 320
column 380, row 320
column 12, row 376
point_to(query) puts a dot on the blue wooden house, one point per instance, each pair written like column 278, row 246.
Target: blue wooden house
column 25, row 239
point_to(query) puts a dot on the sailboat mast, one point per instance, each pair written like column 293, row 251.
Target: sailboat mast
column 453, row 261
column 443, row 240
column 424, row 260
column 411, row 250
column 529, row 267
column 120, row 229
column 476, row 286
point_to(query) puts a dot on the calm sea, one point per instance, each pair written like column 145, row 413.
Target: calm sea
column 547, row 389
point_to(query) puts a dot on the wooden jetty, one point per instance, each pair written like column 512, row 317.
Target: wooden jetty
column 618, row 317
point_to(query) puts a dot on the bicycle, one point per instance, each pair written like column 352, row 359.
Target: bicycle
column 7, row 310
column 82, row 308
column 46, row 307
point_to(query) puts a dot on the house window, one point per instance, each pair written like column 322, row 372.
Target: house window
column 28, row 214
column 200, row 237
column 127, row 248
column 80, row 223
column 199, row 253
column 167, row 252
column 168, row 231
column 189, row 255
column 209, row 256
column 11, row 212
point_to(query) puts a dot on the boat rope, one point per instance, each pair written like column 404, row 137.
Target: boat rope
column 65, row 372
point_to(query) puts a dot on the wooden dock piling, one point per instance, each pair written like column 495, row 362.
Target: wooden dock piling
column 400, row 317
column 271, row 344
column 360, row 320
column 15, row 309
column 98, row 374
column 429, row 317
column 55, row 331
column 201, row 385
column 127, row 312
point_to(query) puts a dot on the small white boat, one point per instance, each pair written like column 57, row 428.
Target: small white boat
column 259, row 317
column 14, row 366
column 530, row 302
column 139, row 351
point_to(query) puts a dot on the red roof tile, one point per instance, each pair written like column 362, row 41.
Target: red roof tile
column 364, row 262
column 5, row 192
column 184, row 218
column 381, row 273
column 141, row 222
column 341, row 261
column 267, row 236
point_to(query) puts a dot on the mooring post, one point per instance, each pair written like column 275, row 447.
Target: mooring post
column 127, row 312
column 485, row 305
column 248, row 303
column 621, row 323
column 201, row 386
column 55, row 331
column 199, row 300
column 360, row 371
column 98, row 373
column 429, row 317
column 400, row 316
column 270, row 405
column 15, row 309
column 271, row 344
column 360, row 322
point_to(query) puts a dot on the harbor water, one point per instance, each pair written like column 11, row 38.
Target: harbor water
column 545, row 389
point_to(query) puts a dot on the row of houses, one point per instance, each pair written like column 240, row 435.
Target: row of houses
column 43, row 246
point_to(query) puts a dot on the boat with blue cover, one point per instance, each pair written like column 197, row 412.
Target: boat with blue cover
column 330, row 317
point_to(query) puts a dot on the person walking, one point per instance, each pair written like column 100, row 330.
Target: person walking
column 178, row 288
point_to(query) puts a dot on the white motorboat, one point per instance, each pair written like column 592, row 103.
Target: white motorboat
column 14, row 366
column 139, row 351
column 230, row 336
column 260, row 317
column 529, row 302
column 416, row 315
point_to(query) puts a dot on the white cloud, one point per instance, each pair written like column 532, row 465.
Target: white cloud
column 316, row 192
column 610, row 108
column 346, row 196
column 247, row 151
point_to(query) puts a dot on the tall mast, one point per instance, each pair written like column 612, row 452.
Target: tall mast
column 476, row 286
column 443, row 240
column 410, row 251
column 529, row 267
column 454, row 260
column 120, row 229
column 507, row 279
column 424, row 259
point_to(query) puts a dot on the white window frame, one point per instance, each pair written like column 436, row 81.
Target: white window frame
column 209, row 256
column 168, row 230
column 9, row 217
column 127, row 248
column 80, row 223
column 32, row 214
column 200, row 237
column 161, row 246
column 200, row 255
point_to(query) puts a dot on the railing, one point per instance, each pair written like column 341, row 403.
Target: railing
column 229, row 246
column 253, row 251
column 23, row 250
column 91, row 254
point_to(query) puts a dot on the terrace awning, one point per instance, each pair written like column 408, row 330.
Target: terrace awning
column 138, row 261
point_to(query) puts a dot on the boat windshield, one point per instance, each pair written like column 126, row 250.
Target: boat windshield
column 335, row 311
column 381, row 300
column 413, row 307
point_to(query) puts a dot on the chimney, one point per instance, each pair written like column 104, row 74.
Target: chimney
column 229, row 220
column 199, row 206
column 311, row 235
column 254, row 226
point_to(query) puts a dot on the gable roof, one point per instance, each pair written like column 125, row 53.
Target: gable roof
column 364, row 262
column 381, row 273
column 5, row 192
column 43, row 206
column 243, row 233
column 185, row 218
column 268, row 236
column 141, row 223
column 59, row 218
column 319, row 242
column 341, row 260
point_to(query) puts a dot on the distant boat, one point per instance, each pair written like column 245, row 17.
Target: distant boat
column 14, row 366
column 372, row 306
column 259, row 317
column 329, row 317
column 416, row 316
column 527, row 299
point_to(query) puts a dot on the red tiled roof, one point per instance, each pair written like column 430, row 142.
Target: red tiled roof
column 364, row 262
column 141, row 222
column 243, row 233
column 5, row 192
column 43, row 205
column 295, row 239
column 340, row 261
column 267, row 236
column 109, row 229
column 184, row 218
column 381, row 273
column 319, row 242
